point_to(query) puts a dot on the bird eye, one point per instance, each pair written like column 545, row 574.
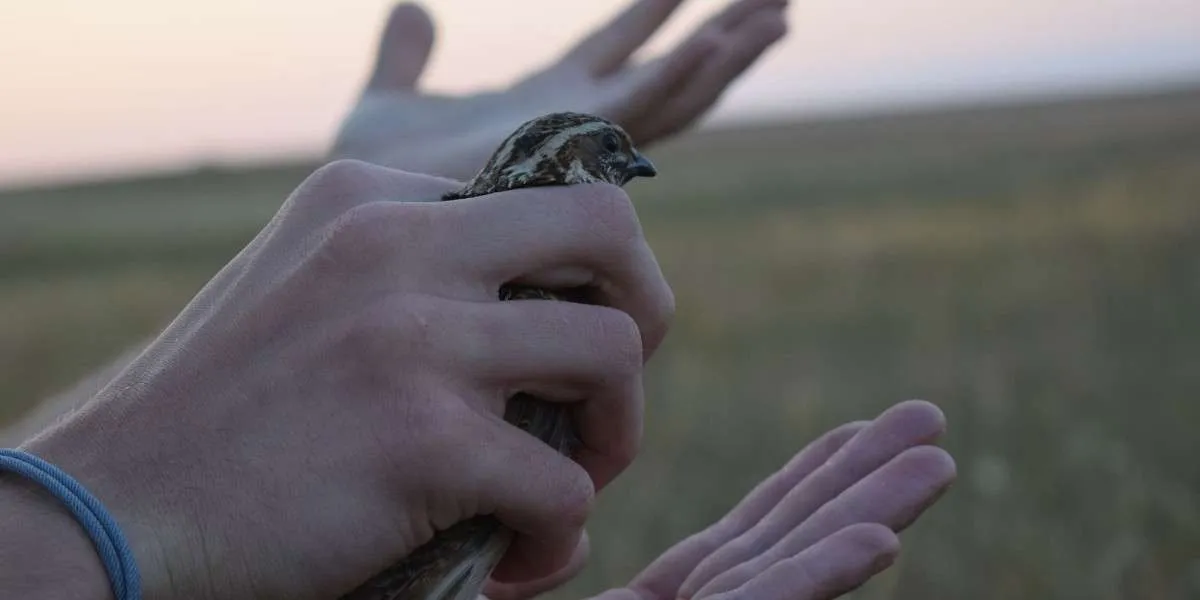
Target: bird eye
column 611, row 144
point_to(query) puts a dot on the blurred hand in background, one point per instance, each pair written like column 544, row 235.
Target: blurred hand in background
column 398, row 125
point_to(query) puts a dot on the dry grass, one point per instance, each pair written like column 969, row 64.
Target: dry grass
column 1040, row 283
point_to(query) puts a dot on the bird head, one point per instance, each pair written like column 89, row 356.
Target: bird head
column 561, row 148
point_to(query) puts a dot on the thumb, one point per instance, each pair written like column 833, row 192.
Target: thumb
column 494, row 590
column 404, row 49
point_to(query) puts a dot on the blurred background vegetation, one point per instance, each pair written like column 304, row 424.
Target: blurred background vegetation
column 1033, row 269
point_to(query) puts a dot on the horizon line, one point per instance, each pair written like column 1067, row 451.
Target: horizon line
column 914, row 106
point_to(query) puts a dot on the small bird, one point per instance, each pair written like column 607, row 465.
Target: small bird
column 560, row 148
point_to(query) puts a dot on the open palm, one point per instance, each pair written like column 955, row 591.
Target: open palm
column 398, row 125
column 819, row 527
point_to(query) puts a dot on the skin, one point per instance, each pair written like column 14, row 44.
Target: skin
column 820, row 527
column 379, row 420
column 831, row 524
column 396, row 123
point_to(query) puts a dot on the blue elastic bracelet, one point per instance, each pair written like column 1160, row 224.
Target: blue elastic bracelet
column 101, row 528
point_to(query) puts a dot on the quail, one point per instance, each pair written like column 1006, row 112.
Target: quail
column 560, row 148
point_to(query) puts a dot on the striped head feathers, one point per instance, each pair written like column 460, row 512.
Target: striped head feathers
column 561, row 148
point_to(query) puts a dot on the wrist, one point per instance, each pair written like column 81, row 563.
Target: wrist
column 44, row 553
column 77, row 447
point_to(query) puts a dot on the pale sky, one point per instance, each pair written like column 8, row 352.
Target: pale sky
column 92, row 87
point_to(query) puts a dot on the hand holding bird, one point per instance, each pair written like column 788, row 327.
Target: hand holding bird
column 828, row 533
column 821, row 526
column 556, row 149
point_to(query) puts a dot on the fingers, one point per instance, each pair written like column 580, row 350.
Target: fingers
column 647, row 88
column 562, row 237
column 551, row 237
column 587, row 356
column 892, row 496
column 737, row 13
column 563, row 351
column 830, row 568
column 607, row 48
column 495, row 590
column 904, row 426
column 582, row 236
column 742, row 34
column 404, row 49
column 340, row 185
column 490, row 467
column 767, row 495
column 662, row 578
column 543, row 347
column 331, row 193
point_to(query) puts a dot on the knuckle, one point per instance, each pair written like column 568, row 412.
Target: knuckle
column 342, row 174
column 611, row 215
column 422, row 326
column 368, row 232
column 329, row 191
column 662, row 310
column 347, row 240
column 415, row 325
column 620, row 338
column 391, row 330
column 340, row 182
column 576, row 499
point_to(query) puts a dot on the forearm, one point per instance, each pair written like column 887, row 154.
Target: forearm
column 44, row 553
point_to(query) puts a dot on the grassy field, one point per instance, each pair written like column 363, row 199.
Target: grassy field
column 1034, row 270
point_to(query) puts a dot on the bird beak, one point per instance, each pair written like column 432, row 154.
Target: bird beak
column 641, row 167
